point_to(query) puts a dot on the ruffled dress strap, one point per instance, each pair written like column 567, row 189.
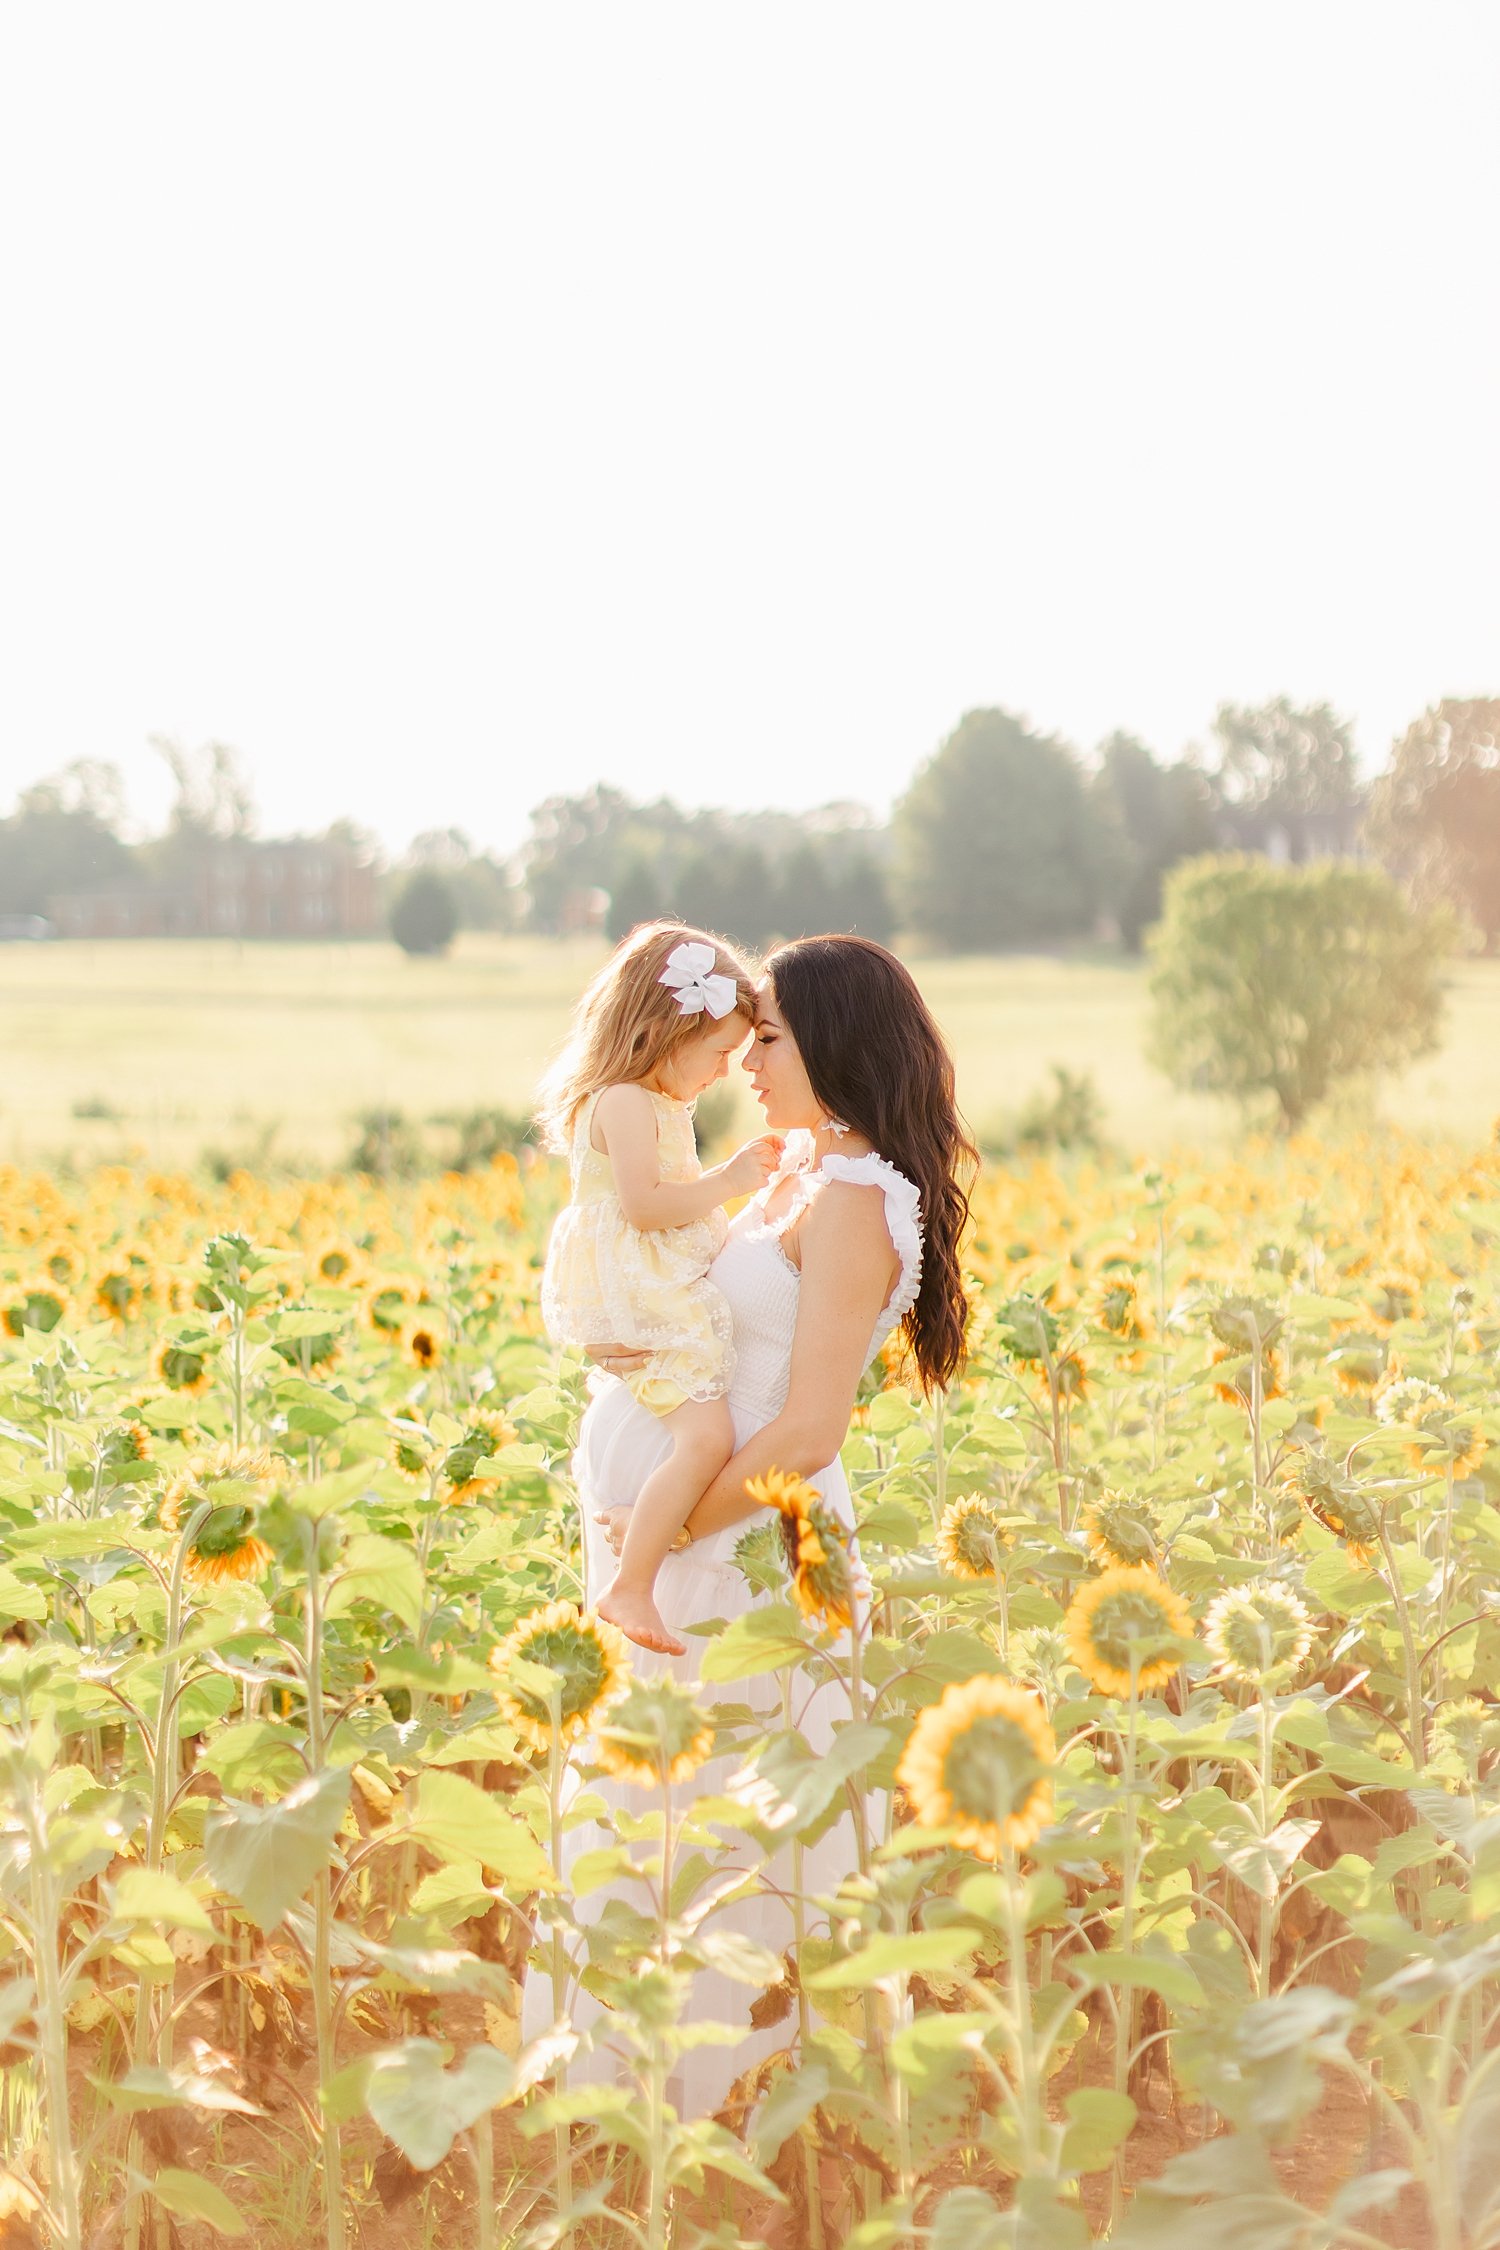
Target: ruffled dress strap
column 903, row 1219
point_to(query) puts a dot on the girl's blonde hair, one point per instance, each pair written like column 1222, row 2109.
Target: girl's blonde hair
column 628, row 1022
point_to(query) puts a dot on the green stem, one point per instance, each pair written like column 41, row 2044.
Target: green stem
column 322, row 1972
column 1267, row 1933
column 562, row 2138
column 52, row 2024
column 1125, row 2003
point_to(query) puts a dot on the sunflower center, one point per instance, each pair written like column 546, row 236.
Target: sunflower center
column 1122, row 1623
column 991, row 1768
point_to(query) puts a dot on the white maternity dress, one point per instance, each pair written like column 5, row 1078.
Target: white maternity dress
column 620, row 1442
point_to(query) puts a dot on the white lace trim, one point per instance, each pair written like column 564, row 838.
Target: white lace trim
column 903, row 1217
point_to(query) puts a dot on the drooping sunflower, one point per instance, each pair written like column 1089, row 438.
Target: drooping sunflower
column 236, row 1481
column 813, row 1541
column 1358, row 1364
column 1118, row 1309
column 184, row 1367
column 124, row 1445
column 1112, row 1624
column 1334, row 1500
column 655, row 1731
column 1070, row 1376
column 1245, row 1329
column 979, row 1762
column 589, row 1656
column 1236, row 1387
column 1259, row 1633
column 1454, row 1443
column 971, row 1537
column 485, row 1434
column 1120, row 1527
column 1392, row 1297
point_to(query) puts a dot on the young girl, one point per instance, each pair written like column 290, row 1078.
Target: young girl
column 629, row 1256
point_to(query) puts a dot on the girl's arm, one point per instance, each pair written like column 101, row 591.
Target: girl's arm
column 625, row 1123
column 848, row 1272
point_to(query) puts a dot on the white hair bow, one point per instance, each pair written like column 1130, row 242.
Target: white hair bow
column 691, row 977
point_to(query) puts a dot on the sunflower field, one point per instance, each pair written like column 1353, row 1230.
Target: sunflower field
column 1170, row 1773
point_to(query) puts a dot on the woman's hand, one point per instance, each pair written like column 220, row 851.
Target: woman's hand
column 614, row 1521
column 616, row 1359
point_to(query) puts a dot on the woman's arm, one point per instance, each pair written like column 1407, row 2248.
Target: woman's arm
column 626, row 1125
column 848, row 1271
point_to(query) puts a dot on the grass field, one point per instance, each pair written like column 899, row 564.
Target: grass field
column 180, row 1046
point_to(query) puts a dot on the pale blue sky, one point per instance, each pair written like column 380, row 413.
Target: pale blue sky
column 449, row 405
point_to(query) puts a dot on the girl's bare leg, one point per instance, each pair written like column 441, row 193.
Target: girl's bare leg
column 702, row 1437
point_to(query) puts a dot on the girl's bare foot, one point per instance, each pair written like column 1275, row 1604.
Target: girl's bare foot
column 639, row 1620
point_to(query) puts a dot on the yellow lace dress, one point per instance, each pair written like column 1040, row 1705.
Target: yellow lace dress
column 607, row 1282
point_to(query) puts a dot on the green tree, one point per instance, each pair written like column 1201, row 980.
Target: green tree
column 424, row 917
column 63, row 836
column 1435, row 811
column 1284, row 981
column 997, row 841
column 482, row 893
column 1155, row 815
column 864, row 897
column 1283, row 757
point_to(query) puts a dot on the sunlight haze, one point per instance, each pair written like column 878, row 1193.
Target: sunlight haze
column 449, row 407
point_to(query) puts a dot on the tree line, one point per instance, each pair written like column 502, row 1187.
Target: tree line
column 1006, row 836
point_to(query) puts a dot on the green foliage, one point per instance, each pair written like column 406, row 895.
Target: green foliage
column 1287, row 981
column 1069, row 1118
column 1435, row 812
column 424, row 917
column 1156, row 815
column 998, row 842
column 1286, row 758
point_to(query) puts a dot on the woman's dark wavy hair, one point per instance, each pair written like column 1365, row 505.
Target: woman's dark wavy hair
column 877, row 1060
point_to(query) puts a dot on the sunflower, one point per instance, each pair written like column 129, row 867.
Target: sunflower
column 1108, row 1621
column 422, row 1342
column 978, row 1762
column 235, row 1481
column 1235, row 1389
column 388, row 1306
column 1118, row 1309
column 1070, row 1377
column 35, row 1305
column 1334, row 1500
column 120, row 1290
column 123, row 1446
column 970, row 1537
column 1392, row 1297
column 587, row 1653
column 1408, row 1399
column 333, row 1264
column 813, row 1540
column 484, row 1435
column 656, row 1731
column 411, row 1449
column 1358, row 1364
column 1118, row 1528
column 182, row 1367
column 1259, row 1633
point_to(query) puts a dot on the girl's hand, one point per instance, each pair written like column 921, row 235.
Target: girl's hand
column 751, row 1166
column 614, row 1521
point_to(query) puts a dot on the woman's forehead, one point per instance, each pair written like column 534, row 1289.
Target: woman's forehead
column 765, row 1003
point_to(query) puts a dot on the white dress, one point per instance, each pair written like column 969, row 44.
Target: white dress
column 619, row 1444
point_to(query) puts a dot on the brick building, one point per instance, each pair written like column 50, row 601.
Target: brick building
column 238, row 888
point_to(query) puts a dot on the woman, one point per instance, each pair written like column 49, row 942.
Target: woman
column 855, row 1236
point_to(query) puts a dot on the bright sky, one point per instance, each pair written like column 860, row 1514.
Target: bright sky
column 447, row 406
